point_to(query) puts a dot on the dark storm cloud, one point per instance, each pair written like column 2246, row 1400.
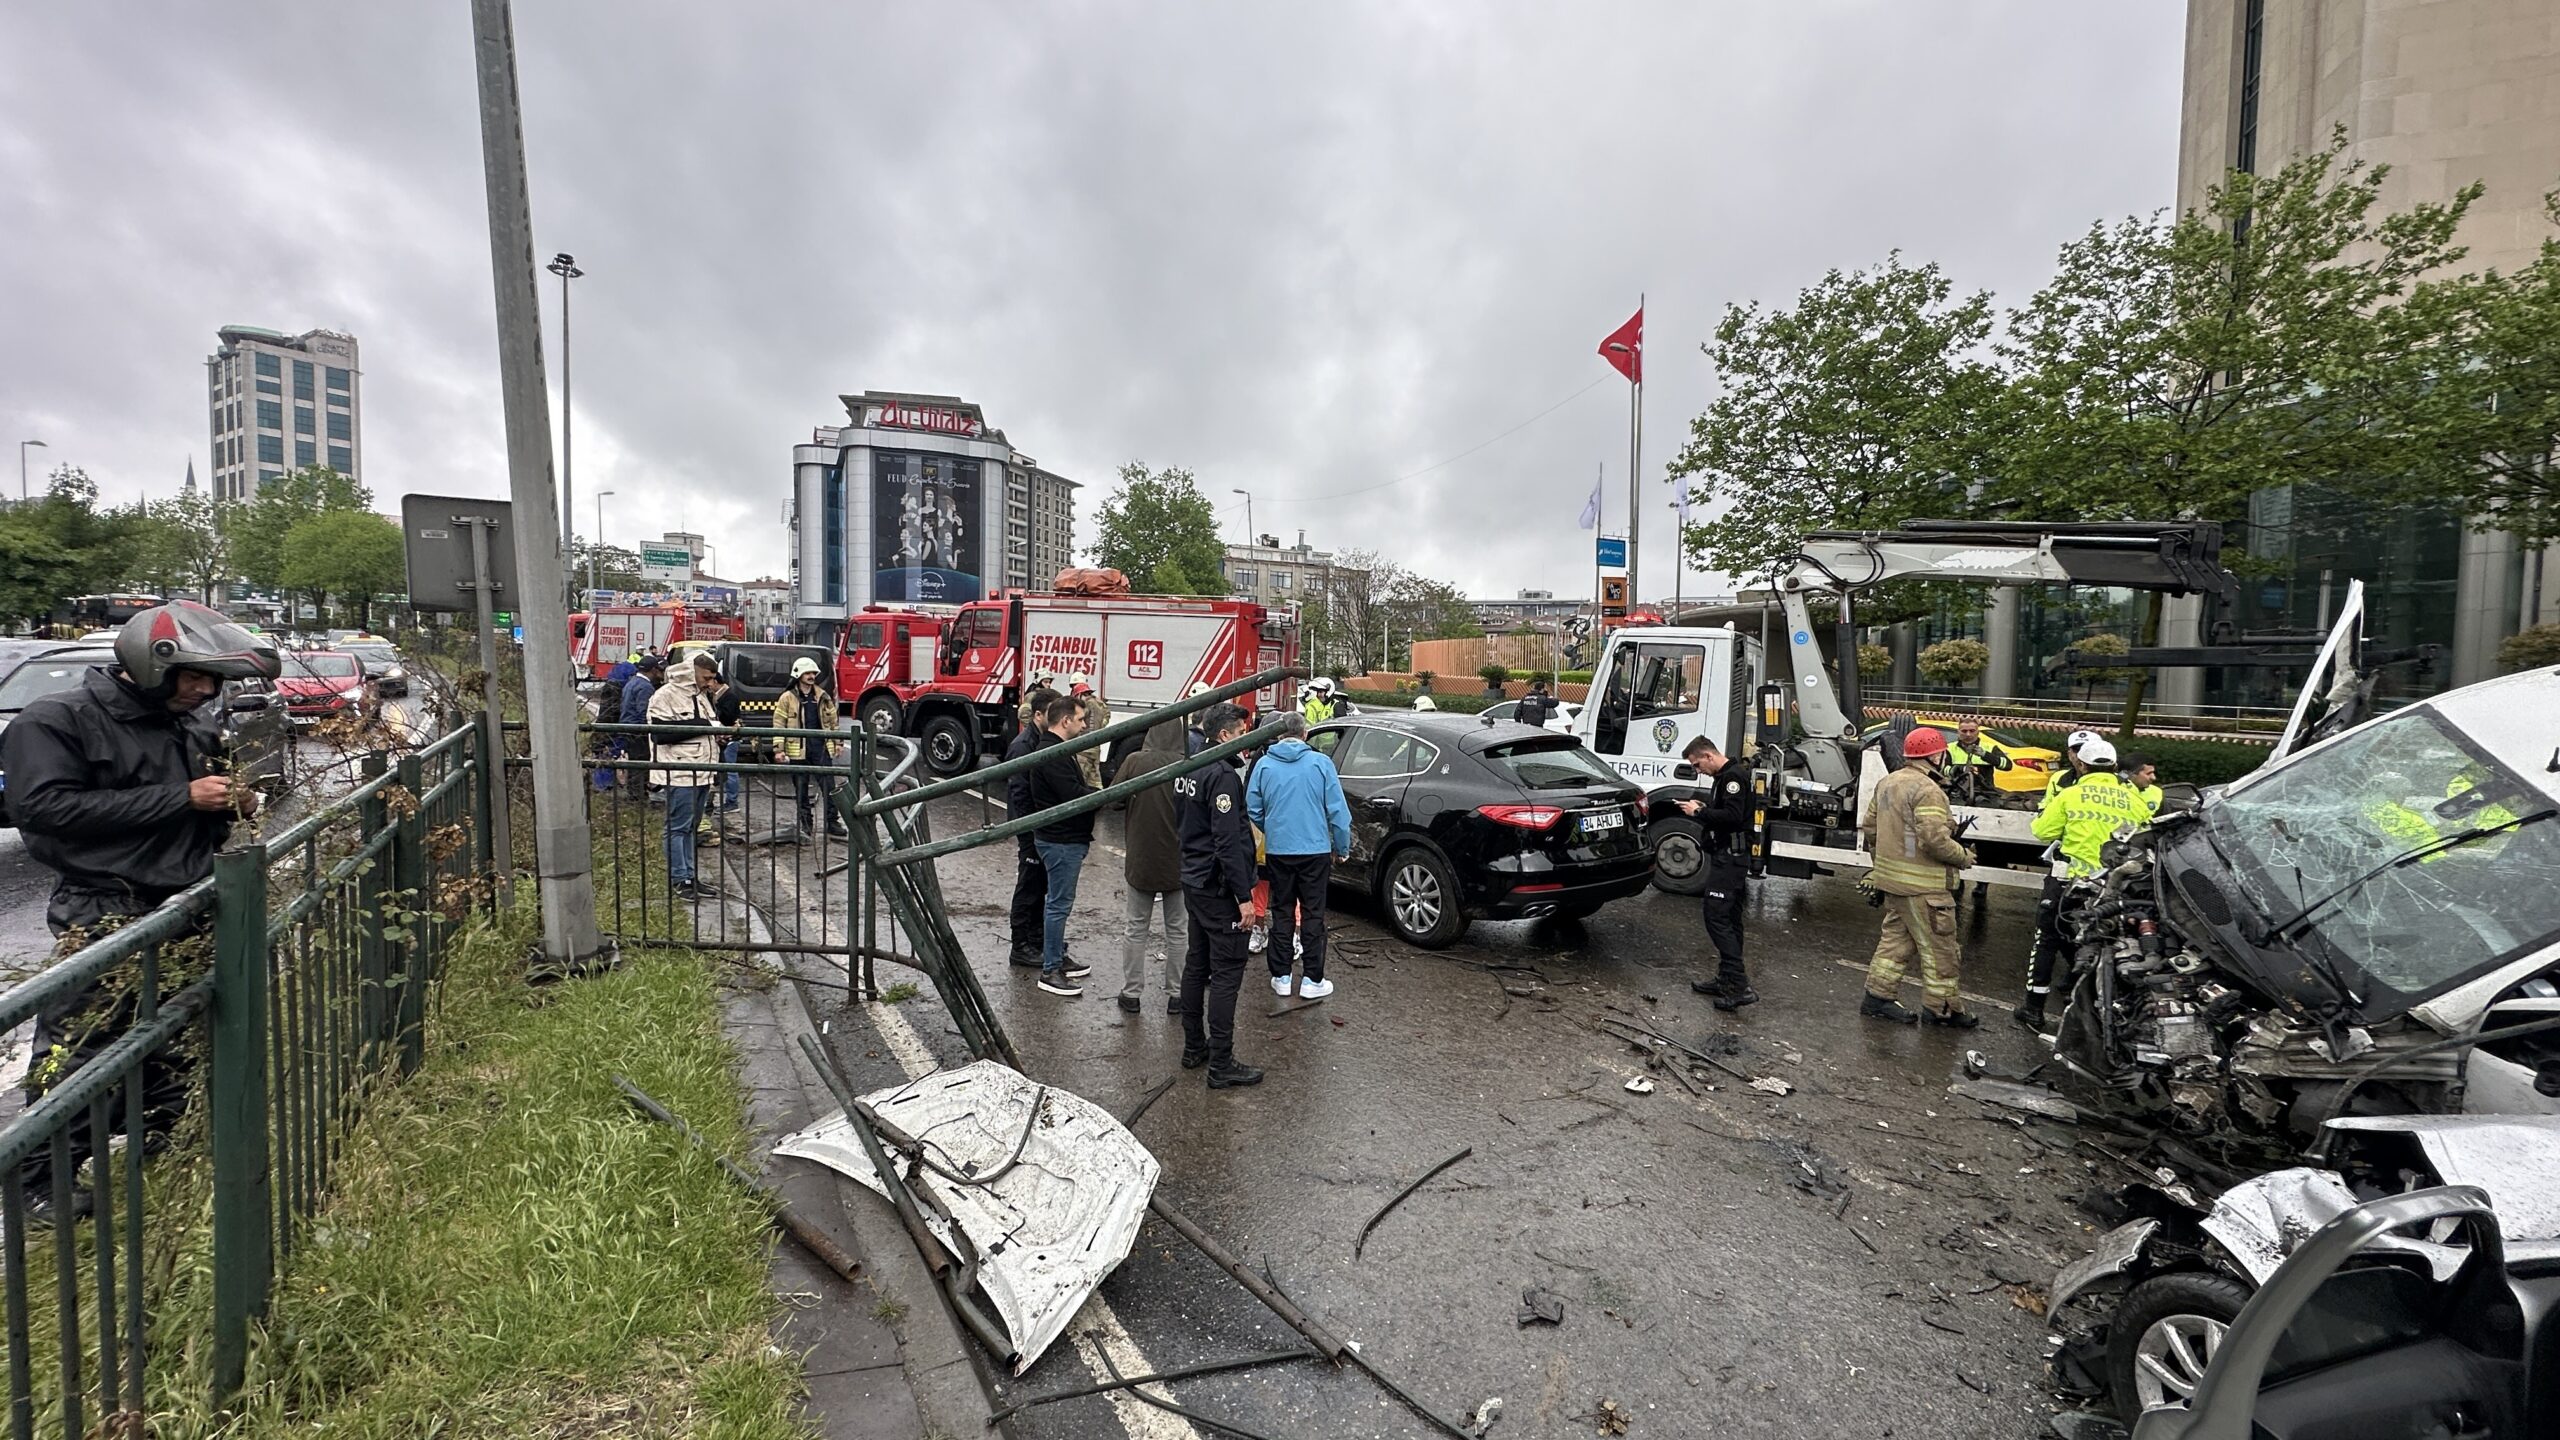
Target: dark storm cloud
column 1302, row 250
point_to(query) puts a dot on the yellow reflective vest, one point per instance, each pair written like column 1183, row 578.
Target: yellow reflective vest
column 1316, row 708
column 2086, row 815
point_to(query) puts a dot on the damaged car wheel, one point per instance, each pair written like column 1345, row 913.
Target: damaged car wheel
column 2164, row 1335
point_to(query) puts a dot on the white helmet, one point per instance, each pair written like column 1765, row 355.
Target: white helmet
column 1044, row 677
column 2078, row 739
column 803, row 666
column 2097, row 754
column 1079, row 681
column 1423, row 702
column 1198, row 689
column 1322, row 685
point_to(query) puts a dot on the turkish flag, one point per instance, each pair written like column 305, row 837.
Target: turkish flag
column 1625, row 348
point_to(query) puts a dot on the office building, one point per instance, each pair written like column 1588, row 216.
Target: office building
column 1282, row 575
column 1528, row 607
column 917, row 500
column 281, row 403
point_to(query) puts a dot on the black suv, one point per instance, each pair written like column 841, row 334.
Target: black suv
column 760, row 672
column 1457, row 818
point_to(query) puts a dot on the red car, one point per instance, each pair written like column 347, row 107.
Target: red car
column 321, row 684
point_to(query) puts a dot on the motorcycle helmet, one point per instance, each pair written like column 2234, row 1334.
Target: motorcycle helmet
column 183, row 635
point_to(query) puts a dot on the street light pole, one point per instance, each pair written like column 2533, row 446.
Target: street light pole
column 1249, row 537
column 595, row 542
column 565, row 266
column 22, row 465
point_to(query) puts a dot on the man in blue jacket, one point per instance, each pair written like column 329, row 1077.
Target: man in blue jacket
column 1295, row 796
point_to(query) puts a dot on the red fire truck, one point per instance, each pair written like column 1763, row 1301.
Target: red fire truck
column 603, row 638
column 954, row 680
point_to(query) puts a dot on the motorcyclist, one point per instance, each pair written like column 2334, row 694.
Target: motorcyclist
column 120, row 787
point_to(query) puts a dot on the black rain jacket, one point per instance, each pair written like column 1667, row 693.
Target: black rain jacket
column 1217, row 841
column 98, row 779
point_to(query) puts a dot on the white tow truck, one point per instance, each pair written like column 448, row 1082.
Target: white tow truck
column 1657, row 686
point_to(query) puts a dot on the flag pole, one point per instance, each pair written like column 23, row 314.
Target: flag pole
column 1599, row 527
column 1679, row 559
column 1635, row 467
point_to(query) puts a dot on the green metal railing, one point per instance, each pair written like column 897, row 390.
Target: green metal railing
column 282, row 987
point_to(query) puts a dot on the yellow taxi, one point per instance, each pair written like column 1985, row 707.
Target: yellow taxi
column 2030, row 766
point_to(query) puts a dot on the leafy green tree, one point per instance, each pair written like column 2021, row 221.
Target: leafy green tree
column 2531, row 648
column 617, row 568
column 184, row 543
column 1955, row 662
column 1162, row 532
column 1874, row 662
column 1860, row 406
column 352, row 554
column 2512, row 390
column 59, row 546
column 2288, row 331
column 259, row 524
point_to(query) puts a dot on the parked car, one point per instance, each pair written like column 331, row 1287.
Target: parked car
column 1457, row 818
column 382, row 665
column 1561, row 721
column 321, row 685
column 2031, row 767
column 252, row 724
column 760, row 672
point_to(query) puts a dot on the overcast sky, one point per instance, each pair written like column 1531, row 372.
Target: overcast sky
column 1303, row 249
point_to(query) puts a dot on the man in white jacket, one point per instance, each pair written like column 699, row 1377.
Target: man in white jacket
column 688, row 726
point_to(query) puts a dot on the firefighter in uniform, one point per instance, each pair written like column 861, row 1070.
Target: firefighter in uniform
column 1217, row 890
column 2050, row 944
column 1724, row 813
column 1910, row 834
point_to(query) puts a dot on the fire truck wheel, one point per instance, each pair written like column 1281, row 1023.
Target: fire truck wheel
column 1679, row 855
column 949, row 748
column 883, row 715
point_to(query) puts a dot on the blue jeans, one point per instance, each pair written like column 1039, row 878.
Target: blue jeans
column 732, row 784
column 684, row 812
column 1064, row 863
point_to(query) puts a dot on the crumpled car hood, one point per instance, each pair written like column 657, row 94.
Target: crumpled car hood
column 1050, row 1227
column 2512, row 1157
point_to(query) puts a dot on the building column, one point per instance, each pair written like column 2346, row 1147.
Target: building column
column 2000, row 636
column 2181, row 624
column 2483, row 607
column 1904, row 641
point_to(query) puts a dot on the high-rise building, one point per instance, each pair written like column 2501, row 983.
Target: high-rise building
column 1280, row 575
column 2444, row 92
column 280, row 403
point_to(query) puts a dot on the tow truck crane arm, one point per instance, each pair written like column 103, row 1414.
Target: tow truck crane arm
column 2177, row 558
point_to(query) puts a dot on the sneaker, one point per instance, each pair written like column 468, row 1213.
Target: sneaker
column 1951, row 1019
column 1259, row 940
column 1731, row 1003
column 1280, row 986
column 1876, row 1007
column 1314, row 989
column 1075, row 971
column 707, row 837
column 1061, row 985
column 1131, row 1004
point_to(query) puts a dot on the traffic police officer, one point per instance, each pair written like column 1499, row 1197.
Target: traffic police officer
column 1318, row 706
column 2080, row 820
column 1910, row 835
column 1723, row 811
column 1217, row 890
column 2050, row 944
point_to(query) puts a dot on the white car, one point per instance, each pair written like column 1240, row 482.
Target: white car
column 1560, row 721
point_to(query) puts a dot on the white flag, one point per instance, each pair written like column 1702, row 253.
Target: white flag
column 1682, row 504
column 1591, row 508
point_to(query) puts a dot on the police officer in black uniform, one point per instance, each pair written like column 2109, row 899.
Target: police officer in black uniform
column 1724, row 812
column 1217, row 888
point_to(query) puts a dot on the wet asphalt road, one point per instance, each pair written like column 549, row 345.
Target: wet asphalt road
column 1706, row 1292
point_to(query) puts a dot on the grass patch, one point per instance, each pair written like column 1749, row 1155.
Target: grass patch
column 511, row 1252
column 900, row 993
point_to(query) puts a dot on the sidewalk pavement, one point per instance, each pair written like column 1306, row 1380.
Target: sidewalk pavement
column 884, row 1358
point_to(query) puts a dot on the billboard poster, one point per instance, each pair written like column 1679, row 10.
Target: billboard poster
column 925, row 540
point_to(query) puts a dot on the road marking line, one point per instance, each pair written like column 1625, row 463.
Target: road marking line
column 1142, row 1420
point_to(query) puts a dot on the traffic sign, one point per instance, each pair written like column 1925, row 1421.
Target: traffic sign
column 1613, row 551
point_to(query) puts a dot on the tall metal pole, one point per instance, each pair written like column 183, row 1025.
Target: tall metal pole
column 565, row 266
column 563, row 849
column 595, row 542
column 22, row 465
column 1599, row 527
column 1635, row 469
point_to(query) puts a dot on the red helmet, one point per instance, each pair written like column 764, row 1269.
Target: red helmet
column 1924, row 742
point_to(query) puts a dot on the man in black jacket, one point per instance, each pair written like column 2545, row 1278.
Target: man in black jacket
column 1217, row 889
column 1030, row 875
column 1062, row 843
column 1723, row 813
column 119, row 787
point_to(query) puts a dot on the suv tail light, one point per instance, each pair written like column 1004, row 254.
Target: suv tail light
column 1525, row 817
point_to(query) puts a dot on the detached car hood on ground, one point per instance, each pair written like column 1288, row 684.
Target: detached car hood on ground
column 1070, row 1185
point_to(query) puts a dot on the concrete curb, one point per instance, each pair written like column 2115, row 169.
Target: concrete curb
column 940, row 1363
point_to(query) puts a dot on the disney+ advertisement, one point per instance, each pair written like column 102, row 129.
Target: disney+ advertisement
column 925, row 541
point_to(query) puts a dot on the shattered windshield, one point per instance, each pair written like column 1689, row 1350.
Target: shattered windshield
column 2392, row 787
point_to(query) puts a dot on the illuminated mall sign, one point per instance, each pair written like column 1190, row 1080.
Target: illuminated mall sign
column 933, row 419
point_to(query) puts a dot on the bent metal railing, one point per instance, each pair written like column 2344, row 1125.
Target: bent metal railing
column 280, row 988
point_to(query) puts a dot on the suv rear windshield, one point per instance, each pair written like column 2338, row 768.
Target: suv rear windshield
column 768, row 667
column 1556, row 764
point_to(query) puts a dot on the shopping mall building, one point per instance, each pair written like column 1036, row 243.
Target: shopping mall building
column 916, row 499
